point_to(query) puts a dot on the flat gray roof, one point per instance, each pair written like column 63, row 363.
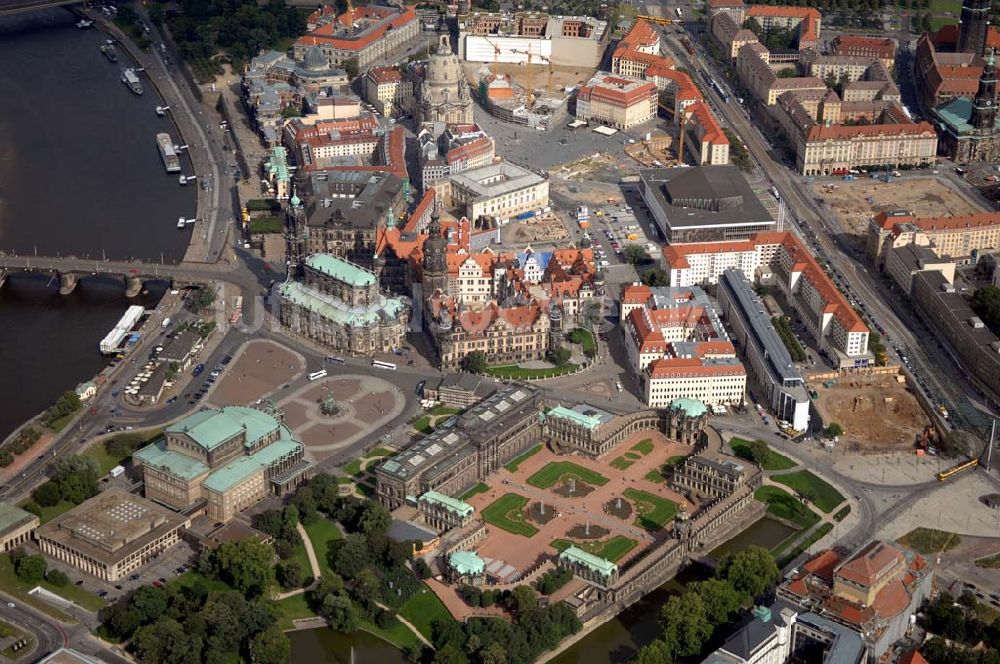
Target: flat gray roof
column 761, row 331
column 704, row 196
column 956, row 305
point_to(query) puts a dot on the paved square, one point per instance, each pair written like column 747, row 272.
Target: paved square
column 258, row 370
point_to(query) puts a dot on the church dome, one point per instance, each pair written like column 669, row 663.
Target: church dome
column 314, row 59
column 691, row 407
column 444, row 68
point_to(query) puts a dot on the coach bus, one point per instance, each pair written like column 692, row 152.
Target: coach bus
column 316, row 375
column 379, row 364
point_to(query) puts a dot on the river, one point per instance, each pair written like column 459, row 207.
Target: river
column 614, row 641
column 80, row 174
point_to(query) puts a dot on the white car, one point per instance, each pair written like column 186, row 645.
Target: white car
column 618, row 384
column 11, row 605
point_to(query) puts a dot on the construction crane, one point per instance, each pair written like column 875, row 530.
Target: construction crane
column 548, row 82
column 530, row 101
column 496, row 56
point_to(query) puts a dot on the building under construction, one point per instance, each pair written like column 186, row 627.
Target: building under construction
column 520, row 38
column 519, row 100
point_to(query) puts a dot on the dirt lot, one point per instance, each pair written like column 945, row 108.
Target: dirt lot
column 562, row 76
column 854, row 202
column 548, row 229
column 875, row 411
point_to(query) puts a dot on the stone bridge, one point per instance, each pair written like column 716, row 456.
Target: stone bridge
column 71, row 270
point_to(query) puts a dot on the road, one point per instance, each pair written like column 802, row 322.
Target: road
column 811, row 219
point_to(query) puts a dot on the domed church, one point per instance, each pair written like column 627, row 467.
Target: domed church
column 444, row 94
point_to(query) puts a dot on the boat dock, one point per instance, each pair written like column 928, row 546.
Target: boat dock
column 112, row 342
column 167, row 152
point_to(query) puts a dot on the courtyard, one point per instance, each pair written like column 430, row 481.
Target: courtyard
column 545, row 503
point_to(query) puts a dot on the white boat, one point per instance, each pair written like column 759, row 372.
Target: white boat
column 83, row 24
column 130, row 79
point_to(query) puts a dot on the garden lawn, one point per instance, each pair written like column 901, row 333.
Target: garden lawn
column 784, row 505
column 507, row 513
column 397, row 633
column 479, row 488
column 321, row 532
column 643, row 447
column 377, row 452
column 49, row 513
column 445, row 410
column 989, row 562
column 423, row 425
column 774, row 461
column 556, row 471
column 654, row 512
column 928, row 540
column 514, row 372
column 621, row 463
column 514, row 464
column 655, row 476
column 584, row 338
column 423, row 609
column 613, row 549
column 293, row 608
column 19, row 589
column 822, row 494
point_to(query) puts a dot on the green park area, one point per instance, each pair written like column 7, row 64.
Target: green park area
column 585, row 339
column 989, row 562
column 785, row 506
column 613, row 549
column 621, row 463
column 17, row 587
column 655, row 476
column 654, row 512
column 516, row 462
column 514, row 372
column 423, row 609
column 358, row 467
column 322, row 532
column 556, row 472
column 929, row 541
column 815, row 490
column 759, row 452
column 507, row 513
column 479, row 488
column 18, row 638
column 644, row 446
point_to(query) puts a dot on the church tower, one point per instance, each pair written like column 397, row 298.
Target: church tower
column 984, row 107
column 298, row 234
column 435, row 258
column 974, row 26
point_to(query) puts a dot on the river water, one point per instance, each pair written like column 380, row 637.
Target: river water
column 614, row 641
column 80, row 174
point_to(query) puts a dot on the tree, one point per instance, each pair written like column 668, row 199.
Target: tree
column 750, row 572
column 289, row 574
column 339, row 610
column 721, row 599
column 560, row 356
column 833, row 430
column 955, row 443
column 246, row 565
column 522, row 599
column 149, row 603
column 351, row 67
column 30, row 569
column 56, row 578
column 686, row 624
column 47, row 494
column 635, row 254
column 656, row 278
column 657, row 652
column 422, row 569
column 475, row 362
column 375, row 519
column 450, row 654
column 350, row 556
column 270, row 646
column 759, row 452
column 78, row 478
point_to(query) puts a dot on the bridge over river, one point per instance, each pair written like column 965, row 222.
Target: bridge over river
column 71, row 270
column 18, row 6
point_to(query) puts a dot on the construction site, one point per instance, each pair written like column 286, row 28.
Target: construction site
column 855, row 202
column 878, row 412
column 534, row 95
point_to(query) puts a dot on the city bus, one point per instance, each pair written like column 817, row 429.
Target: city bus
column 955, row 470
column 316, row 375
column 379, row 364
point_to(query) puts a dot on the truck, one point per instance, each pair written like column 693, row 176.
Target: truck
column 166, row 323
column 117, row 471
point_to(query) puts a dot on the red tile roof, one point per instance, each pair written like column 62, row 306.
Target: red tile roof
column 640, row 34
column 871, row 564
column 703, row 116
column 617, row 90
column 823, row 564
column 683, row 367
column 913, row 657
column 385, row 74
column 891, row 600
column 324, row 35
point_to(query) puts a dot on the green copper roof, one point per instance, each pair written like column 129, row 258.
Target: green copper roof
column 588, row 421
column 278, row 164
column 455, row 505
column 341, row 270
column 12, row 516
column 337, row 310
column 178, row 465
column 466, row 562
column 956, row 114
column 239, row 469
column 603, row 567
column 211, row 428
column 692, row 407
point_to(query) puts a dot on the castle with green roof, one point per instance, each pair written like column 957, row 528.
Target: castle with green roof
column 225, row 459
column 339, row 304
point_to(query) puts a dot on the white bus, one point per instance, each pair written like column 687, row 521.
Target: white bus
column 378, row 364
column 316, row 375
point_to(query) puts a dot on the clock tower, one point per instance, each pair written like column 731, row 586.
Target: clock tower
column 984, row 107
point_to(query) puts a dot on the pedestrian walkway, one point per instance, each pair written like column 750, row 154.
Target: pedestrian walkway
column 310, row 552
